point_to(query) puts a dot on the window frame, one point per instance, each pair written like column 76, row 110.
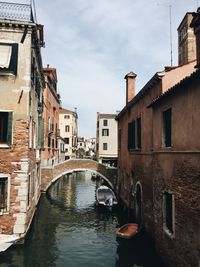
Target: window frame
column 166, row 228
column 9, row 131
column 165, row 130
column 135, row 134
column 105, row 132
column 13, row 65
column 105, row 122
column 105, row 146
column 6, row 211
column 67, row 128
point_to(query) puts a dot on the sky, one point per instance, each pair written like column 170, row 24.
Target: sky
column 93, row 44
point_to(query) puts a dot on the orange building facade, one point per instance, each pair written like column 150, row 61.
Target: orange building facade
column 158, row 161
column 51, row 100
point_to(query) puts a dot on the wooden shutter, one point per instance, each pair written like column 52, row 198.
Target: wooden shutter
column 14, row 59
column 41, row 132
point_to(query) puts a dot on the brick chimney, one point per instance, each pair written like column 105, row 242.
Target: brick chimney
column 186, row 40
column 195, row 24
column 130, row 86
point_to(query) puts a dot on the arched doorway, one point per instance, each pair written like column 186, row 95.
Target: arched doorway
column 138, row 203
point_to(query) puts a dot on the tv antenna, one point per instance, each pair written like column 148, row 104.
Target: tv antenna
column 34, row 10
column 170, row 27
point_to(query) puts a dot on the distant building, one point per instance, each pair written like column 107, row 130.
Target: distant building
column 61, row 149
column 90, row 147
column 68, row 124
column 106, row 139
column 80, row 142
column 80, row 151
column 159, row 152
column 51, row 100
column 21, row 124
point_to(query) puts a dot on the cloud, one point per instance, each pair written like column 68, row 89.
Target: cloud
column 94, row 43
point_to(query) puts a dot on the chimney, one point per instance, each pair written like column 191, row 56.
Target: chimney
column 195, row 24
column 186, row 41
column 130, row 86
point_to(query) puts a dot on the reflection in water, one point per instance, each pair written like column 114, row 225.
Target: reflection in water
column 70, row 231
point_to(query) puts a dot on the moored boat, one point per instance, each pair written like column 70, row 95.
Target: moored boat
column 7, row 240
column 127, row 231
column 105, row 196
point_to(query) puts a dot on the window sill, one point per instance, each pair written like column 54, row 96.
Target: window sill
column 4, row 146
column 5, row 73
column 169, row 233
column 4, row 213
column 134, row 150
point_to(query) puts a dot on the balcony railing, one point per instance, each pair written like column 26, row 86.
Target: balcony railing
column 16, row 11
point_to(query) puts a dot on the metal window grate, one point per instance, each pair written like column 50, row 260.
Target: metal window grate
column 15, row 11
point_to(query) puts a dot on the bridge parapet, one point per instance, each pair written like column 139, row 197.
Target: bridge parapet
column 51, row 174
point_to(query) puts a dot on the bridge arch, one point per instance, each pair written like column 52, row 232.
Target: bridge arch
column 50, row 175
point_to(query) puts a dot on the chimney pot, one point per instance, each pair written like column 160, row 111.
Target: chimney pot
column 130, row 86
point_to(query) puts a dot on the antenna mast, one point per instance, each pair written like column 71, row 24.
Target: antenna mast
column 170, row 21
column 34, row 9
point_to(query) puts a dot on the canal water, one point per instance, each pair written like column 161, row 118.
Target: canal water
column 70, row 231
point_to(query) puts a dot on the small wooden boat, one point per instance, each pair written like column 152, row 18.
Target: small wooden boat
column 127, row 231
column 105, row 196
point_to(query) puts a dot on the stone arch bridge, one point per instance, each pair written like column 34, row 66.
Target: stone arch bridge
column 51, row 174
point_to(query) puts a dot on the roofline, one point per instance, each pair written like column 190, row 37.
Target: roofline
column 174, row 88
column 157, row 76
column 191, row 13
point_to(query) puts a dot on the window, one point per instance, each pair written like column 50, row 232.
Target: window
column 66, row 117
column 66, row 141
column 105, row 146
column 49, row 141
column 119, row 139
column 105, row 122
column 97, row 147
column 167, row 127
column 6, row 127
column 3, row 194
column 105, row 132
column 169, row 213
column 66, row 128
column 134, row 134
column 131, row 135
column 138, row 132
column 8, row 58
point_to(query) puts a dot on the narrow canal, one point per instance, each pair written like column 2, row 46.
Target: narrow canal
column 70, row 231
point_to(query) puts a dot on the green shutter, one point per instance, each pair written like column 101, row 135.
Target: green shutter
column 14, row 59
column 9, row 131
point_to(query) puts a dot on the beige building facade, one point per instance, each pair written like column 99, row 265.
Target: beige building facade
column 106, row 139
column 159, row 158
column 68, row 125
column 21, row 88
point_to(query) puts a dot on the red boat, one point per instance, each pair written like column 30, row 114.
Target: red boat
column 127, row 231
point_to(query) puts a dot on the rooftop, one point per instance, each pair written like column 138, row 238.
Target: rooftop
column 17, row 11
